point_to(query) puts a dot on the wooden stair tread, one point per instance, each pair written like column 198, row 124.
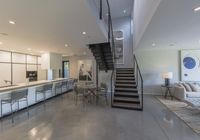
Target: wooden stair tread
column 126, row 105
column 125, row 75
column 127, row 99
column 131, row 85
column 126, row 93
column 125, row 81
column 131, row 89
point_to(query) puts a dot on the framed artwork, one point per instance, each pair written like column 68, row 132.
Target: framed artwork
column 85, row 70
column 119, row 48
column 190, row 65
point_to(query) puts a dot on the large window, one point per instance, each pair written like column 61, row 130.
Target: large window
column 13, row 67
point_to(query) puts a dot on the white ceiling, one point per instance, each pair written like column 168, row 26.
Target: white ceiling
column 47, row 25
column 174, row 26
column 118, row 7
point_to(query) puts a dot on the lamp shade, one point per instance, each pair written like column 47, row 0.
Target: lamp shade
column 167, row 75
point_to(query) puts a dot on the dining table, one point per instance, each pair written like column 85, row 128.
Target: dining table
column 90, row 90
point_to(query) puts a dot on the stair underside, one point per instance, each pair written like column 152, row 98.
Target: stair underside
column 103, row 55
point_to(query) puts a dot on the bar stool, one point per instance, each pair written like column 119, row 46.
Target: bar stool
column 39, row 90
column 13, row 97
column 47, row 88
column 64, row 85
column 58, row 86
column 43, row 90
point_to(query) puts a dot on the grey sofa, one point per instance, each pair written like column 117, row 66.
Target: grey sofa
column 188, row 92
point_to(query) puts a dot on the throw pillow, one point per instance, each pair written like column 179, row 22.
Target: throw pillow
column 193, row 87
column 181, row 85
column 187, row 87
column 197, row 86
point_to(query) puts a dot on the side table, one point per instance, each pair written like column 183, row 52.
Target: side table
column 168, row 91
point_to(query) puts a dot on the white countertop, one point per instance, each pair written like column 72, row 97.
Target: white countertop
column 30, row 84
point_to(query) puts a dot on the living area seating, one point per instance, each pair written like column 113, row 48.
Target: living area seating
column 188, row 92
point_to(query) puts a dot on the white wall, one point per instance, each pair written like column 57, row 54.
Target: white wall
column 104, row 77
column 73, row 64
column 153, row 63
column 142, row 13
column 124, row 24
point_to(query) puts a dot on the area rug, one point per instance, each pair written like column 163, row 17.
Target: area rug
column 190, row 115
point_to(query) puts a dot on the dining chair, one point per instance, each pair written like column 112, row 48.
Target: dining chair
column 102, row 91
column 80, row 92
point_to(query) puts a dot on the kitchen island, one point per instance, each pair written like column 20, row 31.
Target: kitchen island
column 5, row 92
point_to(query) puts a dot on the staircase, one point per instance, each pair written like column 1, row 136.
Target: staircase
column 103, row 55
column 128, row 91
column 126, row 94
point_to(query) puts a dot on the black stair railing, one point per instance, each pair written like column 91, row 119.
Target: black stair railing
column 111, row 40
column 139, row 81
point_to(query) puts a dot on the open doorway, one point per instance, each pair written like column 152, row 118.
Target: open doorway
column 65, row 69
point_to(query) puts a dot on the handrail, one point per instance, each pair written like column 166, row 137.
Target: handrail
column 111, row 40
column 137, row 70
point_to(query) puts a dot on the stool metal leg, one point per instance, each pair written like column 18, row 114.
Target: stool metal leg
column 17, row 105
column 27, row 107
column 11, row 107
column 36, row 97
column 44, row 96
column 1, row 109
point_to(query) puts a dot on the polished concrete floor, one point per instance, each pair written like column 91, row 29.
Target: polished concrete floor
column 61, row 119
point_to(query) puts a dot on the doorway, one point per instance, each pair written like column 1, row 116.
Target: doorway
column 65, row 69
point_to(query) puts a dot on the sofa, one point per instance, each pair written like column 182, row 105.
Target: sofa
column 188, row 92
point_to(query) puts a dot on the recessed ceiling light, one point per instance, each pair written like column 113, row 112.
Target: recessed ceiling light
column 66, row 45
column 107, row 14
column 12, row 22
column 197, row 9
column 153, row 44
column 124, row 11
column 29, row 49
column 84, row 33
column 1, row 43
